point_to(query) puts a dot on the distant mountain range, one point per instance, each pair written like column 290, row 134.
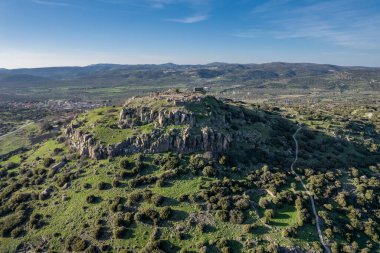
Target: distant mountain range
column 268, row 75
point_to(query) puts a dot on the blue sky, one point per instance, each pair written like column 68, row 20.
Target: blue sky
column 37, row 33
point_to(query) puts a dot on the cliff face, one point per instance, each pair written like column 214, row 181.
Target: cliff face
column 183, row 129
column 177, row 140
column 131, row 117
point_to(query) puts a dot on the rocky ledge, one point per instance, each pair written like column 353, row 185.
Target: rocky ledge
column 183, row 124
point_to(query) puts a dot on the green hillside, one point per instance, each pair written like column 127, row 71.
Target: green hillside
column 186, row 172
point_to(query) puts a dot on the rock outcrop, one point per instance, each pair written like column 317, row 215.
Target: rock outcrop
column 183, row 124
column 131, row 117
column 158, row 141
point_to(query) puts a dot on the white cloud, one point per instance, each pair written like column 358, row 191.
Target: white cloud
column 53, row 3
column 269, row 5
column 344, row 23
column 189, row 20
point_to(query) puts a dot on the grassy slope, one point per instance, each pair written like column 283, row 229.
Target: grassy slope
column 18, row 139
column 69, row 217
column 72, row 216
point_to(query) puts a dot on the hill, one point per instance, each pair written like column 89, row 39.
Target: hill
column 186, row 172
column 269, row 75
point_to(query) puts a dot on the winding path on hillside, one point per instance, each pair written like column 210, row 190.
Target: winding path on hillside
column 15, row 131
column 317, row 219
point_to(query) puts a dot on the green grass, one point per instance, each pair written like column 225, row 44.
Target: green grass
column 18, row 139
column 263, row 130
column 284, row 217
column 180, row 187
column 45, row 150
column 146, row 129
column 112, row 136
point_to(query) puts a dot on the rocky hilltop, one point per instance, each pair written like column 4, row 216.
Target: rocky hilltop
column 161, row 122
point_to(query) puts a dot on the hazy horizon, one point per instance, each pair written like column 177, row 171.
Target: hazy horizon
column 40, row 33
column 184, row 64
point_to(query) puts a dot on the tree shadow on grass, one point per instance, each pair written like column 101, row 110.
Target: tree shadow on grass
column 278, row 224
column 235, row 246
column 179, row 215
column 168, row 247
column 104, row 233
column 260, row 230
column 170, row 202
column 282, row 216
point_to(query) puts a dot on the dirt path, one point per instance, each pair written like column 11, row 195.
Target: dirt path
column 317, row 220
column 15, row 131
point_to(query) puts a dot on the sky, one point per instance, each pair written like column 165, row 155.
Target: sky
column 40, row 33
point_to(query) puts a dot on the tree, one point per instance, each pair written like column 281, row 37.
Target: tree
column 269, row 213
column 329, row 233
column 209, row 171
column 263, row 202
column 298, row 203
column 125, row 164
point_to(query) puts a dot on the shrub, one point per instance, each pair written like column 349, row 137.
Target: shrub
column 160, row 183
column 138, row 216
column 36, row 221
column 76, row 244
column 128, row 218
column 120, row 232
column 236, row 216
column 152, row 246
column 102, row 186
column 86, row 186
column 222, row 243
column 139, row 165
column 134, row 197
column 3, row 173
column 242, row 204
column 223, row 160
column 165, row 213
column 17, row 232
column 113, row 207
column 92, row 249
column 263, row 202
column 125, row 164
column 56, row 151
column 201, row 227
column 48, row 161
column 209, row 171
column 247, row 228
column 150, row 214
column 157, row 200
column 118, row 221
column 222, row 215
column 155, row 234
column 7, row 191
column 184, row 197
column 91, row 199
column 63, row 179
column 171, row 163
column 10, row 166
column 269, row 213
column 98, row 232
column 179, row 235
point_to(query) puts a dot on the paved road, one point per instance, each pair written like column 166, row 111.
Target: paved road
column 317, row 220
column 15, row 131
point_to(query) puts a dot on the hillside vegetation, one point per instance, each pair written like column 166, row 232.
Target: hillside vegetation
column 186, row 172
